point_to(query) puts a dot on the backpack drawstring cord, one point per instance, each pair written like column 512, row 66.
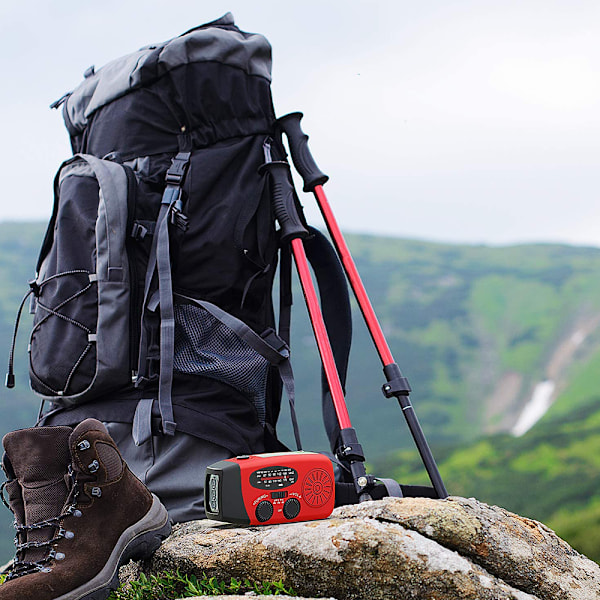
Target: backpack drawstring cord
column 10, row 375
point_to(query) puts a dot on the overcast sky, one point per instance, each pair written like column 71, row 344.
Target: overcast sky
column 467, row 121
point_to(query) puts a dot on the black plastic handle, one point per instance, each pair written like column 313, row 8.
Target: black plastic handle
column 303, row 161
column 284, row 201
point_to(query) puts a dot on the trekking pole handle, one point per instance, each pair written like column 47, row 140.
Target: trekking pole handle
column 284, row 201
column 302, row 158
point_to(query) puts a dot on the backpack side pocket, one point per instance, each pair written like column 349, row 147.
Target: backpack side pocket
column 79, row 342
column 212, row 343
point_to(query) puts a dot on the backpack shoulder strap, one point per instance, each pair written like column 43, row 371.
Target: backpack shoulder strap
column 335, row 304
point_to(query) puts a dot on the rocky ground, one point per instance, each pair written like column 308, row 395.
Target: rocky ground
column 405, row 548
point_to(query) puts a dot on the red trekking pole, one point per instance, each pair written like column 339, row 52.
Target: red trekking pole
column 293, row 232
column 397, row 385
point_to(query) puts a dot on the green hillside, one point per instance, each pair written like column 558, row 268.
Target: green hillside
column 474, row 328
column 19, row 246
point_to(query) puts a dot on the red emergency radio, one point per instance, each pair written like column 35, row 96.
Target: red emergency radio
column 263, row 489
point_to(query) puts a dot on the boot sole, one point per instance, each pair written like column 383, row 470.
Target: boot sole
column 137, row 542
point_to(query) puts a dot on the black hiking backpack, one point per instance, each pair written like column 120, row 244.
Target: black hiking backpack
column 152, row 298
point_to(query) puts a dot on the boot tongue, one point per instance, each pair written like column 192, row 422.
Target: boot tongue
column 84, row 427
column 39, row 454
column 40, row 457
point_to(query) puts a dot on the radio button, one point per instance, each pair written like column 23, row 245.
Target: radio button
column 291, row 508
column 278, row 495
column 264, row 511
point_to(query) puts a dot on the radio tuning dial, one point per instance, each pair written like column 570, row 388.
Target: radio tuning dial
column 264, row 511
column 291, row 508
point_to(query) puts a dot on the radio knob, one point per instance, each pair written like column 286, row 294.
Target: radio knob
column 264, row 511
column 291, row 508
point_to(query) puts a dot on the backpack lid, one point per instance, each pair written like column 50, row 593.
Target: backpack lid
column 218, row 41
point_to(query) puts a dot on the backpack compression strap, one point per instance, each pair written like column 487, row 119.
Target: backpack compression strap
column 159, row 263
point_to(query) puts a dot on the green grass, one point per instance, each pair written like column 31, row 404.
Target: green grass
column 581, row 527
column 169, row 585
column 174, row 585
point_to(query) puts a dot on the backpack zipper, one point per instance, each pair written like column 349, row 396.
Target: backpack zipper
column 134, row 313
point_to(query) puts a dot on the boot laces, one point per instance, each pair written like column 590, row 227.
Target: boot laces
column 21, row 567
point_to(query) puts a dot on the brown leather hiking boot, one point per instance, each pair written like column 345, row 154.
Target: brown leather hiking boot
column 79, row 513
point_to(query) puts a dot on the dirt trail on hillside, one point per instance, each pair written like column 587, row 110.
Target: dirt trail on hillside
column 564, row 353
column 500, row 403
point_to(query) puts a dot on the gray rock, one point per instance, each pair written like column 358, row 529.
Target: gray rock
column 394, row 548
column 520, row 551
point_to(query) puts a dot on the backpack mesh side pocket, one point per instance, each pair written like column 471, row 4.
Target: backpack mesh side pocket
column 205, row 346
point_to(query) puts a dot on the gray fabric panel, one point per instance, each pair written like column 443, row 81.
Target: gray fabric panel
column 113, row 274
column 173, row 467
column 112, row 355
column 109, row 82
column 112, row 347
column 112, row 262
column 112, row 212
column 142, row 421
column 248, row 51
column 75, row 168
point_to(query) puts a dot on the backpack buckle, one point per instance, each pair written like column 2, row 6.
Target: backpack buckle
column 277, row 343
column 176, row 171
column 138, row 232
column 178, row 219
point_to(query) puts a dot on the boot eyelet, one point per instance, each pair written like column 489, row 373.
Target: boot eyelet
column 59, row 556
column 77, row 513
column 69, row 535
column 94, row 466
column 45, row 570
column 96, row 491
column 83, row 445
